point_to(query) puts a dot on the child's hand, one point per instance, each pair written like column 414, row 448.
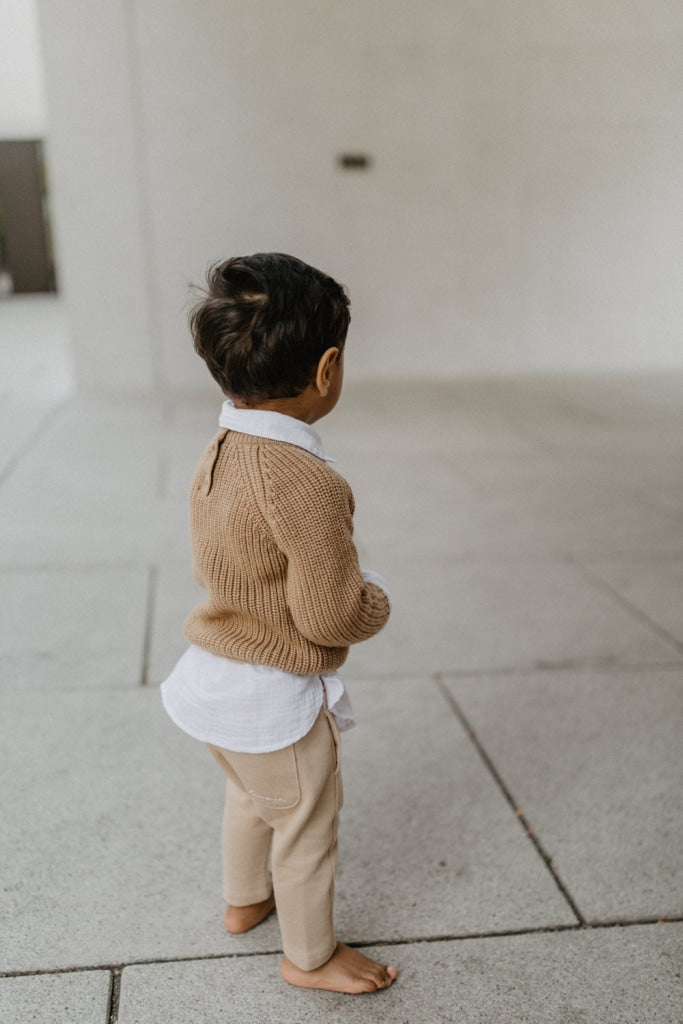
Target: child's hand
column 369, row 576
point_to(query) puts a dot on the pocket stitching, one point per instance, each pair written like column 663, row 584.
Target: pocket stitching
column 280, row 802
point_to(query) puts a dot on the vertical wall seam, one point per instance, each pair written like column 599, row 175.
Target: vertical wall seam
column 143, row 196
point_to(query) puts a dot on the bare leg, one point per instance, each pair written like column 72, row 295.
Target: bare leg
column 347, row 970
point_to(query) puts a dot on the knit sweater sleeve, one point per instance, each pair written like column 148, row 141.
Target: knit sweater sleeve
column 310, row 509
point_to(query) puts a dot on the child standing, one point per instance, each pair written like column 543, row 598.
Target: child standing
column 271, row 526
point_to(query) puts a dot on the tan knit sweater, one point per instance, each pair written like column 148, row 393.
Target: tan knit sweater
column 271, row 529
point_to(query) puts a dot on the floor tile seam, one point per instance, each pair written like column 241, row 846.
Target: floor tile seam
column 161, row 489
column 635, row 557
column 601, row 584
column 437, row 560
column 670, row 512
column 150, row 617
column 57, row 568
column 580, row 666
column 575, row 559
column 533, row 435
column 117, row 969
column 154, row 680
column 525, row 824
column 431, row 560
column 575, row 413
column 166, row 416
column 503, row 933
column 27, row 690
column 55, row 412
column 358, row 678
column 114, row 998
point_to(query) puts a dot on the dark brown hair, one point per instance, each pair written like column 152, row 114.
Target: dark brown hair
column 265, row 321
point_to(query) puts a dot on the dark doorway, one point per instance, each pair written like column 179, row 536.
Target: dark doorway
column 26, row 258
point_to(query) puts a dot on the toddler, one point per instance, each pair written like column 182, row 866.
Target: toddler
column 271, row 527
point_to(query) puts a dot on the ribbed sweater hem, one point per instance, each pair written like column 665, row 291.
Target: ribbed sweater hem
column 280, row 655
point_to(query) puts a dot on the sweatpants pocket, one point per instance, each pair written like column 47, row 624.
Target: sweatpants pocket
column 271, row 780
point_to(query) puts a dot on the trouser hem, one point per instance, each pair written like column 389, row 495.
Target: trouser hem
column 247, row 901
column 310, row 962
column 245, row 897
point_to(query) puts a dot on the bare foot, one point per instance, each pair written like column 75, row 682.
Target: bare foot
column 347, row 970
column 240, row 919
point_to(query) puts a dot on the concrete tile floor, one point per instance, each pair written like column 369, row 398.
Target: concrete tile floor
column 494, row 980
column 516, row 771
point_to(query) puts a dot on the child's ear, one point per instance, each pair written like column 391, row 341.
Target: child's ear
column 323, row 377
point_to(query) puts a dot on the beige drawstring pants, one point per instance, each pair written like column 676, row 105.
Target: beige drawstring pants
column 285, row 805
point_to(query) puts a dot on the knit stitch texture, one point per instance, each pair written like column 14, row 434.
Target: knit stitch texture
column 272, row 529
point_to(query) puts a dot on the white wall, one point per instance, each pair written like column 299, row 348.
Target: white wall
column 22, row 92
column 523, row 211
column 99, row 208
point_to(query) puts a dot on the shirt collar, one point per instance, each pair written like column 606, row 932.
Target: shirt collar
column 274, row 426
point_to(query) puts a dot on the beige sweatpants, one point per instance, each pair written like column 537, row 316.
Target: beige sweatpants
column 285, row 805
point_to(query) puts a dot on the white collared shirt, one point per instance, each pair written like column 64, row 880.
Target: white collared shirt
column 254, row 708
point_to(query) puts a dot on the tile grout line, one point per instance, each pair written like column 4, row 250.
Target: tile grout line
column 65, row 566
column 25, row 448
column 149, row 624
column 114, row 995
column 588, row 666
column 573, row 559
column 595, row 580
column 575, row 666
column 116, row 970
column 163, row 456
column 529, row 832
column 162, row 476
